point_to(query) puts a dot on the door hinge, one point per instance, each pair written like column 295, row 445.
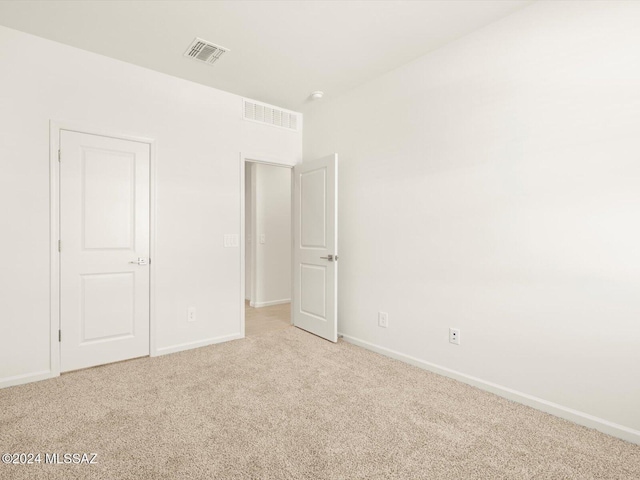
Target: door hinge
column 59, row 155
column 59, row 246
column 59, row 335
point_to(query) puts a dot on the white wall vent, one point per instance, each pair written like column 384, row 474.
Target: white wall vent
column 205, row 51
column 264, row 113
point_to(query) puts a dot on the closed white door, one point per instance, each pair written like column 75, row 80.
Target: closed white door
column 315, row 233
column 104, row 249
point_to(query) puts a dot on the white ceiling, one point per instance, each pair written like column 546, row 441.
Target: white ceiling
column 281, row 51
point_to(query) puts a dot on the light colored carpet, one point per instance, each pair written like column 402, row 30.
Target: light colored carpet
column 266, row 319
column 288, row 405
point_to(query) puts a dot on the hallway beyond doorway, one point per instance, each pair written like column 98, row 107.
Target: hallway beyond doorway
column 266, row 319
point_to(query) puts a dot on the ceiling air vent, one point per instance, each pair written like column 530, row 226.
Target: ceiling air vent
column 263, row 113
column 204, row 51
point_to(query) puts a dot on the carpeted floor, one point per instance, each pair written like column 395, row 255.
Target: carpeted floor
column 288, row 405
column 259, row 321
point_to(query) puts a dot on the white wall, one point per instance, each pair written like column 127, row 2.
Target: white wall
column 199, row 134
column 494, row 186
column 273, row 220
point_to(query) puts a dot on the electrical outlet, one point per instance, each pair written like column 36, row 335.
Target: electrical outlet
column 191, row 314
column 383, row 319
column 454, row 336
column 263, row 238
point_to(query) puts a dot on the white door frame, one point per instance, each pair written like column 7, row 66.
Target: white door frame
column 264, row 160
column 253, row 247
column 55, row 127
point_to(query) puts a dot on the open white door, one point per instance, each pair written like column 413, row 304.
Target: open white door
column 104, row 232
column 315, row 256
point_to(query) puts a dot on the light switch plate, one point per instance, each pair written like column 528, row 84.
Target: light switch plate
column 231, row 240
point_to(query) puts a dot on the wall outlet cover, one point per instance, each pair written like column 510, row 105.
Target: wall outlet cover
column 454, row 336
column 383, row 319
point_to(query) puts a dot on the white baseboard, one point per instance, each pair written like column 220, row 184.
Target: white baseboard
column 26, row 378
column 581, row 418
column 199, row 343
column 269, row 304
column 46, row 374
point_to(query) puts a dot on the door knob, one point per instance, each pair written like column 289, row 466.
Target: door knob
column 141, row 261
column 330, row 257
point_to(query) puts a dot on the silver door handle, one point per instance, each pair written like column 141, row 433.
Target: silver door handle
column 141, row 261
column 331, row 258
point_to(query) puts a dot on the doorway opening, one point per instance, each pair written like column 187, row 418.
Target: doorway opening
column 267, row 255
column 311, row 267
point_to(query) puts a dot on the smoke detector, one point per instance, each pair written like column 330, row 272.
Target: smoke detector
column 205, row 51
column 317, row 95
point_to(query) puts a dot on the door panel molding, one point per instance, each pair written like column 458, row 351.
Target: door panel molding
column 55, row 129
